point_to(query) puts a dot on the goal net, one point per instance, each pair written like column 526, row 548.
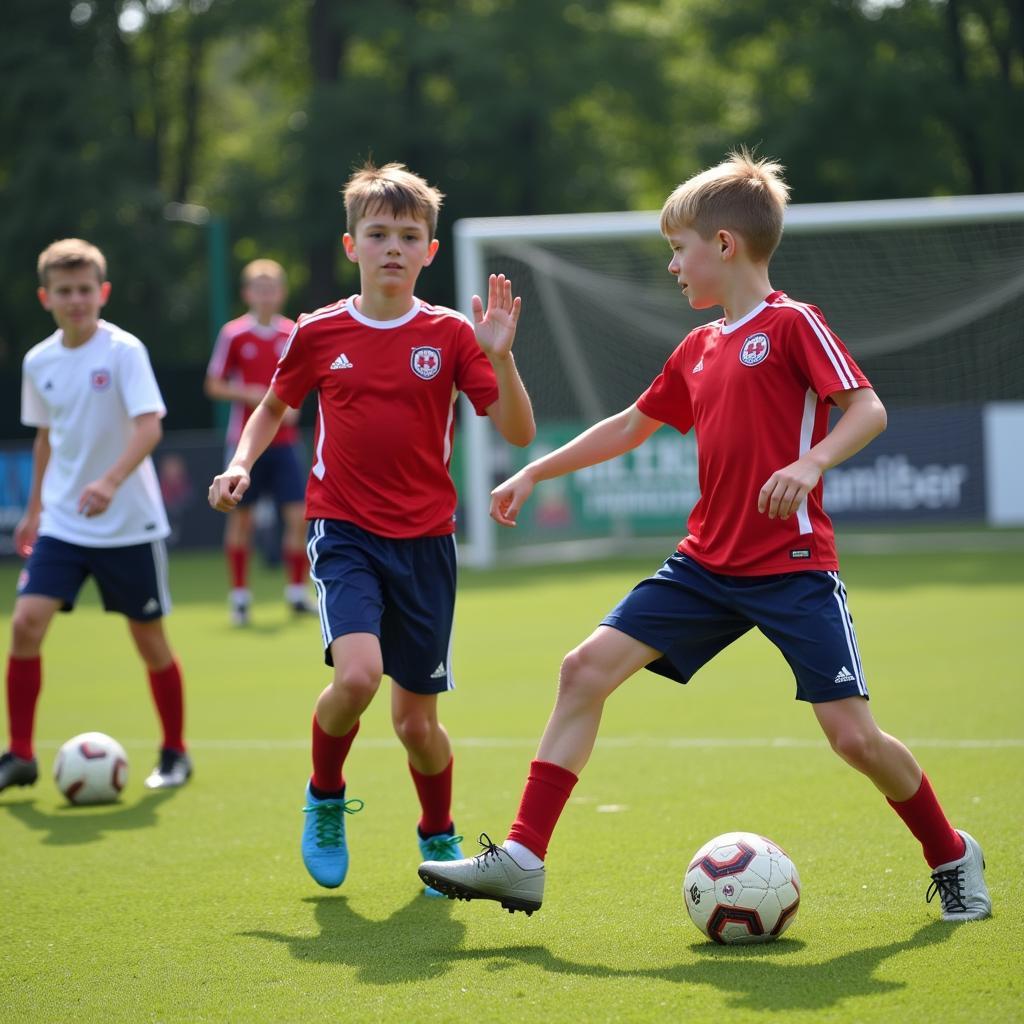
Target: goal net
column 928, row 295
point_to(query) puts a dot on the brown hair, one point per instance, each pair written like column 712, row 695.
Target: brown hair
column 394, row 188
column 741, row 194
column 70, row 254
column 263, row 268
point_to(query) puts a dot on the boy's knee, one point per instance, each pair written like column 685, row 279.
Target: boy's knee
column 855, row 747
column 581, row 677
column 357, row 683
column 28, row 627
column 414, row 731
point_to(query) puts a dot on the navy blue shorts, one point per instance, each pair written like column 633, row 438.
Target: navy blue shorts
column 690, row 614
column 401, row 590
column 277, row 473
column 132, row 580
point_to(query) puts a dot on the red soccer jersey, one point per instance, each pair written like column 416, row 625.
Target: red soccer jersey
column 756, row 393
column 248, row 353
column 386, row 412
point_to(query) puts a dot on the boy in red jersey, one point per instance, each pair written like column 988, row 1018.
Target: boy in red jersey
column 756, row 387
column 95, row 507
column 243, row 361
column 387, row 368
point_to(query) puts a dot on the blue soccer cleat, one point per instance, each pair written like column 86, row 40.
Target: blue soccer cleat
column 439, row 848
column 324, row 850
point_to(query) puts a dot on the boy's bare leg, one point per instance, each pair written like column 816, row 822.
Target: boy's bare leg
column 296, row 563
column 358, row 667
column 513, row 874
column 955, row 856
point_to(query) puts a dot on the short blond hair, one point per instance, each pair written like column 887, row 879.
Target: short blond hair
column 394, row 188
column 263, row 268
column 741, row 194
column 70, row 254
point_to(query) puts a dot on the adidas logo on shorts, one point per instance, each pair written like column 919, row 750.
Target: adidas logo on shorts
column 440, row 672
column 844, row 675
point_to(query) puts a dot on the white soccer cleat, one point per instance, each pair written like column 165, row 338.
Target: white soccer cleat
column 961, row 885
column 492, row 875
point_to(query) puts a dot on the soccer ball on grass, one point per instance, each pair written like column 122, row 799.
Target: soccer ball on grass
column 91, row 768
column 741, row 887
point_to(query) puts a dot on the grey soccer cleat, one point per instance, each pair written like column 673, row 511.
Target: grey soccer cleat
column 491, row 875
column 961, row 886
column 17, row 771
column 173, row 769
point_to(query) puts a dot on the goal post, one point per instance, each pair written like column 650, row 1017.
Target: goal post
column 927, row 293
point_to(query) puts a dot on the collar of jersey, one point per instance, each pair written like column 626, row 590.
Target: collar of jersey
column 758, row 309
column 270, row 330
column 383, row 325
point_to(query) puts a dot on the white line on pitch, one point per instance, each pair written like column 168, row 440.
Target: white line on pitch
column 617, row 742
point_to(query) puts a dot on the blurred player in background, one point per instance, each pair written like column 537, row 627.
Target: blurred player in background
column 95, row 507
column 387, row 368
column 243, row 361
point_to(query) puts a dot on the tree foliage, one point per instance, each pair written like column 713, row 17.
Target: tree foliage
column 258, row 111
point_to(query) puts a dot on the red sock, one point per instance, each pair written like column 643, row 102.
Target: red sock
column 329, row 753
column 297, row 566
column 435, row 793
column 547, row 789
column 924, row 817
column 238, row 566
column 24, row 681
column 169, row 697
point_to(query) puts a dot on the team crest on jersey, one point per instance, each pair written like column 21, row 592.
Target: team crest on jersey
column 100, row 380
column 755, row 350
column 426, row 362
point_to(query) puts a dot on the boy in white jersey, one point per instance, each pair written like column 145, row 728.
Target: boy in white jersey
column 95, row 507
column 756, row 387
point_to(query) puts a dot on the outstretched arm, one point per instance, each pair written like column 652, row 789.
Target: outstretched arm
column 495, row 331
column 145, row 436
column 863, row 420
column 603, row 441
column 228, row 487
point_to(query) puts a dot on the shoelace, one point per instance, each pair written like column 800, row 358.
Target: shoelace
column 330, row 822
column 442, row 847
column 949, row 885
column 491, row 850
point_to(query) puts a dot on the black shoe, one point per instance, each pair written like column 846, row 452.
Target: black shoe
column 174, row 769
column 17, row 771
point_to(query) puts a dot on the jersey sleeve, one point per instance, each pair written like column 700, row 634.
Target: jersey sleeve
column 474, row 375
column 668, row 398
column 817, row 350
column 136, row 382
column 220, row 364
column 34, row 412
column 294, row 379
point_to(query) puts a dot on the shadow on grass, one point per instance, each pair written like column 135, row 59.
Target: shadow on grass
column 417, row 942
column 421, row 941
column 751, row 977
column 76, row 826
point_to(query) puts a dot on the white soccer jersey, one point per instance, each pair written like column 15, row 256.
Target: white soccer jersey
column 87, row 398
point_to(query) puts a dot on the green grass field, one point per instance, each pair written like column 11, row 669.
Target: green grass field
column 195, row 907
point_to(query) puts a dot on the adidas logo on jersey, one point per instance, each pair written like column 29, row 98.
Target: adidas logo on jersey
column 844, row 675
column 440, row 672
column 699, row 366
column 342, row 363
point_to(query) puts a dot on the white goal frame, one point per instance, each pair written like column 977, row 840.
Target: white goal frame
column 478, row 548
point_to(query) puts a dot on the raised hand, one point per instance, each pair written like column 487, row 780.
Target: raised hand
column 496, row 328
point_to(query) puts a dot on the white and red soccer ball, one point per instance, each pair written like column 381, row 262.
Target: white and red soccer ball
column 741, row 887
column 91, row 768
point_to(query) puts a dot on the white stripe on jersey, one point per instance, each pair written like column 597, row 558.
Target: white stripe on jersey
column 448, row 426
column 835, row 356
column 320, row 467
column 839, row 593
column 806, row 433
